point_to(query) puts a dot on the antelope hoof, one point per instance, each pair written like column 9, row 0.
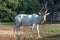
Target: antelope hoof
column 14, row 36
column 38, row 37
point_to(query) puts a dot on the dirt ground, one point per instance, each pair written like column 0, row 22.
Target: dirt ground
column 6, row 33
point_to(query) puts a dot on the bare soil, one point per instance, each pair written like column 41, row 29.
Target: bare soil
column 6, row 33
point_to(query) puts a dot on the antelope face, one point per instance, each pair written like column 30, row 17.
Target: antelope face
column 43, row 15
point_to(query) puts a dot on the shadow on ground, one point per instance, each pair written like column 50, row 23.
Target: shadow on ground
column 52, row 22
column 54, row 37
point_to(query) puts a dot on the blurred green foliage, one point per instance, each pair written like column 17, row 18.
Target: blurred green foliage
column 10, row 8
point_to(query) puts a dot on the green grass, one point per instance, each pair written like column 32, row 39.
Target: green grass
column 7, row 23
column 44, row 31
column 49, row 31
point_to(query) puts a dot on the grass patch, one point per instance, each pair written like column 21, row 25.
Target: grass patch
column 49, row 31
column 44, row 31
column 7, row 23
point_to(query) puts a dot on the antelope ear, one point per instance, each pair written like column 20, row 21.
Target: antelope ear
column 39, row 13
column 47, row 13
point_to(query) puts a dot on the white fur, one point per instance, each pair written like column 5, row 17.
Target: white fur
column 32, row 19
